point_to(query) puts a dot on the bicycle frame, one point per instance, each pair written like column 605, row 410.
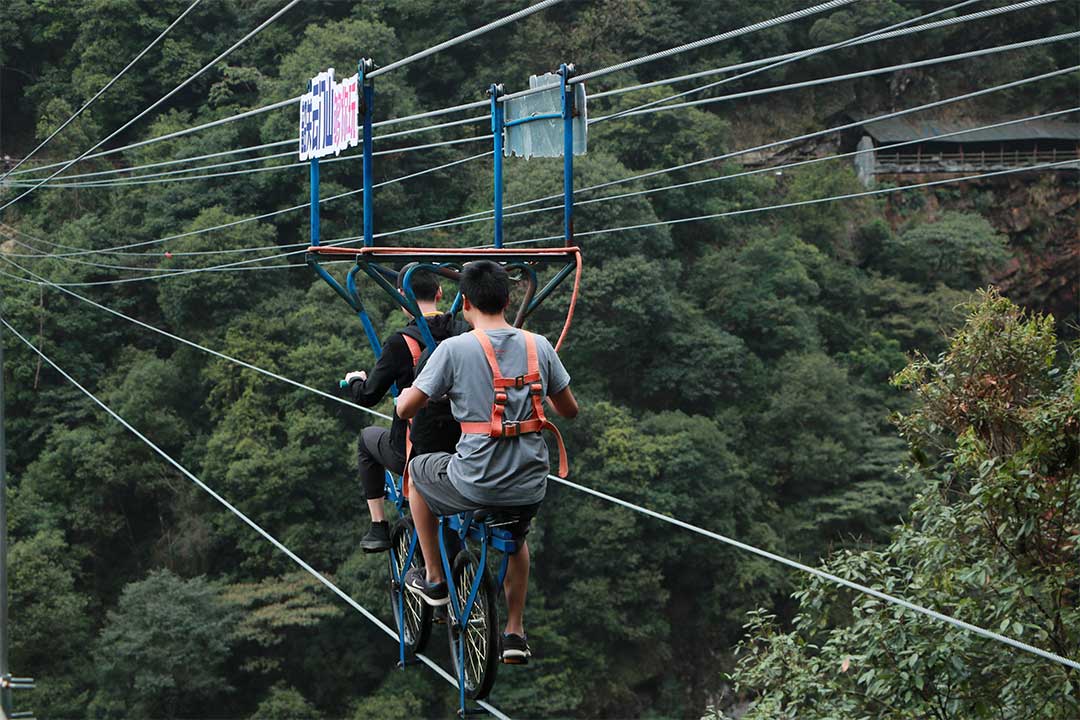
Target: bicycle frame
column 466, row 528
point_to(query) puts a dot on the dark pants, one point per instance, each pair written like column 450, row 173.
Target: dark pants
column 374, row 455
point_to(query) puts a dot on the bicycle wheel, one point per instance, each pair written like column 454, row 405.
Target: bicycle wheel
column 417, row 628
column 481, row 636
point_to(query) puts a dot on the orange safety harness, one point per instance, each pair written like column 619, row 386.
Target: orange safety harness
column 499, row 426
column 415, row 351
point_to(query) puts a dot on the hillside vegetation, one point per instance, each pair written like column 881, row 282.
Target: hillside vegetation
column 734, row 373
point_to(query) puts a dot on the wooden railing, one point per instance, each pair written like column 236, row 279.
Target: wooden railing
column 1006, row 158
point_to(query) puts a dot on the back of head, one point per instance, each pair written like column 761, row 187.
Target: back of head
column 487, row 286
column 424, row 284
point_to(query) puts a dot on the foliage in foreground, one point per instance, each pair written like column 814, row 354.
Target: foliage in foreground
column 992, row 540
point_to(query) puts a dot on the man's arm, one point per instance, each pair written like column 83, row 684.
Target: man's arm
column 368, row 391
column 410, row 401
column 564, row 403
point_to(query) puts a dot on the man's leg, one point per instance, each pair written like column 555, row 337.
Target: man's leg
column 427, row 528
column 515, row 586
column 373, row 457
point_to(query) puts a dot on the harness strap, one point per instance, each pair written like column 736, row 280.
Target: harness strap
column 498, row 427
column 415, row 351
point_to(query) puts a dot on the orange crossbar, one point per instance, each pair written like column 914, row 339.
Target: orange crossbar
column 438, row 252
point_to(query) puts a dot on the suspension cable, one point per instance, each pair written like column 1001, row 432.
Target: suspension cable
column 806, row 12
column 247, row 521
column 266, row 23
column 1016, row 644
column 804, row 55
column 100, row 92
column 648, row 108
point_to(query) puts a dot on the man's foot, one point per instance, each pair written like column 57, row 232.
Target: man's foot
column 377, row 538
column 441, row 615
column 434, row 594
column 515, row 649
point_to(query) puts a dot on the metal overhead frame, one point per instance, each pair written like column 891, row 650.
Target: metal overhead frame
column 448, row 263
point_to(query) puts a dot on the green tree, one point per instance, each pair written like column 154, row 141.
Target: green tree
column 991, row 540
column 162, row 652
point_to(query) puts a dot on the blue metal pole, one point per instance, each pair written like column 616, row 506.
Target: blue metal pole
column 314, row 201
column 568, row 153
column 497, row 135
column 368, row 90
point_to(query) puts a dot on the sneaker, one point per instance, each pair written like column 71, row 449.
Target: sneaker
column 441, row 615
column 515, row 649
column 434, row 594
column 377, row 538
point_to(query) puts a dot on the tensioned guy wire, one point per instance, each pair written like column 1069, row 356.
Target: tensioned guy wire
column 813, row 201
column 118, row 250
column 244, row 518
column 806, row 12
column 765, row 61
column 1016, row 644
column 651, row 108
column 802, row 56
column 107, row 85
column 640, row 176
column 266, row 23
column 632, row 112
column 622, row 196
column 290, row 101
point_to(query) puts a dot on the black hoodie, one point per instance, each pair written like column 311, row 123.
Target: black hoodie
column 434, row 428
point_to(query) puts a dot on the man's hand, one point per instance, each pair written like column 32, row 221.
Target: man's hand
column 356, row 375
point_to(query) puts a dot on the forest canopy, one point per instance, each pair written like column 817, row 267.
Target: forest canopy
column 832, row 382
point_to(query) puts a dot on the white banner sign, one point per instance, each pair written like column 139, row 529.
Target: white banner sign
column 329, row 115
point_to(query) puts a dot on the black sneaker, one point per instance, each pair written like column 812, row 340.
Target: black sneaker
column 377, row 538
column 441, row 615
column 434, row 594
column 515, row 649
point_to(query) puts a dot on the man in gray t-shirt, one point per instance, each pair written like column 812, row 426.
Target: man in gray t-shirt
column 485, row 471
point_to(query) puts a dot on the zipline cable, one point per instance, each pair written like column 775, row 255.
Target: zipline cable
column 266, row 23
column 704, row 42
column 764, row 61
column 802, row 56
column 717, row 158
column 290, row 101
column 117, row 250
column 1016, row 644
column 191, row 343
column 248, row 521
column 100, row 92
column 813, row 201
column 464, row 37
column 646, row 109
column 161, row 178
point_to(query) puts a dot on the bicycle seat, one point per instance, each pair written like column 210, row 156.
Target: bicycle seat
column 498, row 517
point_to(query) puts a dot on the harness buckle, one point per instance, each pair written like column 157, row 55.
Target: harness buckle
column 519, row 382
column 511, row 428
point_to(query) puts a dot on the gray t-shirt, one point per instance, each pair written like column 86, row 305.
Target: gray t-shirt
column 487, row 470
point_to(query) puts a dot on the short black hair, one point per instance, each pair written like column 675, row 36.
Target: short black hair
column 424, row 284
column 487, row 285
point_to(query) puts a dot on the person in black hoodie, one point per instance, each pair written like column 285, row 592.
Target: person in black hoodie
column 379, row 449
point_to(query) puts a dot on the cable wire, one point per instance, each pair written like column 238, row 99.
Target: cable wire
column 647, row 108
column 640, row 176
column 464, row 36
column 266, row 23
column 704, row 42
column 248, row 521
column 802, row 56
column 100, row 92
column 1016, row 644
column 764, row 61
